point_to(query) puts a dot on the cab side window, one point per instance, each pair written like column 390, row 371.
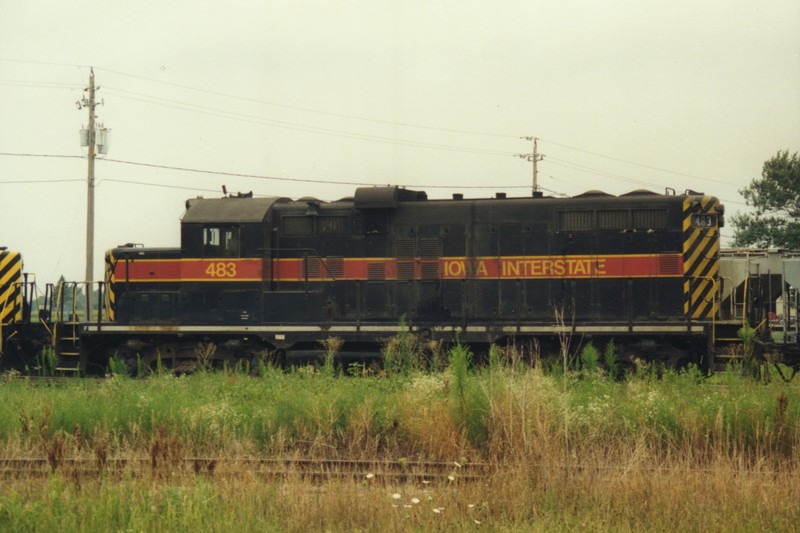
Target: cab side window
column 221, row 241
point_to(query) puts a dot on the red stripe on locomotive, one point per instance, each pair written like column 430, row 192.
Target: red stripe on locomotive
column 294, row 269
column 189, row 270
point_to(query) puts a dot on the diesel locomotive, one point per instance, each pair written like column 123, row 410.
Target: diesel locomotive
column 277, row 276
column 255, row 275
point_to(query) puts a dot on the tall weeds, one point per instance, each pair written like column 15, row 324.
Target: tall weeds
column 468, row 401
column 401, row 355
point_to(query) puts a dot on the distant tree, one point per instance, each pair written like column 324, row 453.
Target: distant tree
column 776, row 199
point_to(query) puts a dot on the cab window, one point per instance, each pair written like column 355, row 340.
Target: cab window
column 221, row 241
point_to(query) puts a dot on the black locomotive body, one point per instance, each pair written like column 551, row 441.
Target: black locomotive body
column 273, row 274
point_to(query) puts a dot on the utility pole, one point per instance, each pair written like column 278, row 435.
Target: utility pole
column 534, row 158
column 89, row 139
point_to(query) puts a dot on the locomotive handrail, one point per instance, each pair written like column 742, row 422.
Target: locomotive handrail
column 72, row 314
column 46, row 326
column 100, row 302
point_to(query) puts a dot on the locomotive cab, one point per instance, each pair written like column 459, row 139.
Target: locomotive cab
column 210, row 279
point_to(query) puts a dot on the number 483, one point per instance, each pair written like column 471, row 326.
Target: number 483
column 221, row 270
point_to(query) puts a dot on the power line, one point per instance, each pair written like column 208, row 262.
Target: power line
column 583, row 168
column 149, row 184
column 360, row 136
column 16, row 154
column 258, row 176
column 19, row 182
column 418, row 126
column 48, row 63
column 558, row 162
column 373, row 138
column 174, row 104
column 649, row 167
column 304, row 180
column 233, row 174
column 311, row 110
column 40, row 84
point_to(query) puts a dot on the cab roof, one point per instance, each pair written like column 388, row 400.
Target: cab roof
column 228, row 210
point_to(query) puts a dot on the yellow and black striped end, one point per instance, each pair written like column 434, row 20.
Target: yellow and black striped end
column 110, row 294
column 10, row 287
column 701, row 219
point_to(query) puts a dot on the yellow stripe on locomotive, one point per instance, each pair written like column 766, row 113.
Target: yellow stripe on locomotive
column 703, row 216
column 10, row 287
column 110, row 297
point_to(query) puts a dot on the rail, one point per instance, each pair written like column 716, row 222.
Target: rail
column 161, row 462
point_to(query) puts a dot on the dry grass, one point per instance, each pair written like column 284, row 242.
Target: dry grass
column 639, row 494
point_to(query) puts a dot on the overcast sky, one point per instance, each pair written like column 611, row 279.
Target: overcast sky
column 310, row 98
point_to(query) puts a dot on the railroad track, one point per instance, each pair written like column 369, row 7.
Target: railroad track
column 307, row 469
column 48, row 381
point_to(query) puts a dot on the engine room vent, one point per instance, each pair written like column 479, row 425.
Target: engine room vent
column 298, row 226
column 313, row 267
column 430, row 247
column 575, row 220
column 376, row 271
column 649, row 219
column 612, row 219
column 405, row 270
column 334, row 268
column 404, row 248
column 670, row 264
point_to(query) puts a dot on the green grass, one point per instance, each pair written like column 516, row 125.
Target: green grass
column 214, row 411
